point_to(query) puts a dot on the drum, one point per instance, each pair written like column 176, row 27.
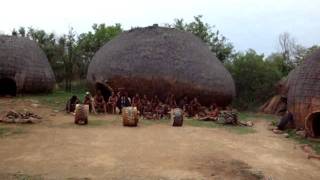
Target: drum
column 130, row 116
column 81, row 114
column 177, row 117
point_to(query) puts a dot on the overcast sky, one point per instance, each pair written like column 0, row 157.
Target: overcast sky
column 246, row 23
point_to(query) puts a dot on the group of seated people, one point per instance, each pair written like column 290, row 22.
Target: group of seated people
column 149, row 107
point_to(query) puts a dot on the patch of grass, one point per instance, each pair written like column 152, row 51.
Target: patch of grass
column 302, row 140
column 7, row 131
column 21, row 176
column 57, row 99
column 249, row 116
column 210, row 124
column 148, row 122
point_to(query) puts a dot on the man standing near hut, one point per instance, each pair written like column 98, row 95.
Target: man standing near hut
column 88, row 100
column 123, row 101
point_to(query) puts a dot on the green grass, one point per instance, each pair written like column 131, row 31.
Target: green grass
column 210, row 124
column 57, row 99
column 21, row 176
column 302, row 140
column 247, row 116
column 7, row 131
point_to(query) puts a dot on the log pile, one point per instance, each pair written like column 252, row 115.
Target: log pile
column 275, row 105
column 18, row 117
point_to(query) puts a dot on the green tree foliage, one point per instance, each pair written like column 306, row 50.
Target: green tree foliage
column 90, row 42
column 277, row 60
column 217, row 42
column 254, row 78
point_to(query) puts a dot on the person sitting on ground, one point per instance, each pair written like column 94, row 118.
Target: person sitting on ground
column 284, row 121
column 155, row 102
column 148, row 111
column 112, row 103
column 143, row 104
column 123, row 101
column 159, row 111
column 88, row 100
column 212, row 114
column 136, row 102
column 183, row 104
column 71, row 104
column 194, row 107
column 99, row 103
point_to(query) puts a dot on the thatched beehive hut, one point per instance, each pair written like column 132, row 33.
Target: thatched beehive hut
column 304, row 95
column 24, row 68
column 157, row 60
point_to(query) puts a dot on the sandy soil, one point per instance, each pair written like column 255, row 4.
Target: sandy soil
column 57, row 149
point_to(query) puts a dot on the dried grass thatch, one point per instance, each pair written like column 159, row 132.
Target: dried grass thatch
column 156, row 60
column 24, row 66
column 304, row 95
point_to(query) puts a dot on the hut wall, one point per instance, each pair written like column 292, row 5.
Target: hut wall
column 304, row 91
column 157, row 60
column 24, row 62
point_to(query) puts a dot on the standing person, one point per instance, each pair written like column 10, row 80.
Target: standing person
column 88, row 100
column 123, row 101
column 112, row 103
column 71, row 104
column 99, row 102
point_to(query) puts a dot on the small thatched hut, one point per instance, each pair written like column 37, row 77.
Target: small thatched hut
column 304, row 95
column 157, row 60
column 24, row 68
column 277, row 105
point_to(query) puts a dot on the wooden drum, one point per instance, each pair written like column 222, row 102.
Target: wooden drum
column 81, row 114
column 130, row 116
column 177, row 117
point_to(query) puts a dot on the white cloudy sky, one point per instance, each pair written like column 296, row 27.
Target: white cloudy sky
column 246, row 23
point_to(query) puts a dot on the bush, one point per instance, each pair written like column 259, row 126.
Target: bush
column 254, row 78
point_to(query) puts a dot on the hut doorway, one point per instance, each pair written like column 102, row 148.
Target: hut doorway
column 8, row 87
column 314, row 122
column 105, row 91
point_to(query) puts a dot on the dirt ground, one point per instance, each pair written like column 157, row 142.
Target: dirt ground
column 57, row 149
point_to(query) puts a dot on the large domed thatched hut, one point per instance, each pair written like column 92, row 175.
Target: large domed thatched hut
column 304, row 95
column 157, row 60
column 24, row 68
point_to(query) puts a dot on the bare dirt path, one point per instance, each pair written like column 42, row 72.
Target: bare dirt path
column 57, row 149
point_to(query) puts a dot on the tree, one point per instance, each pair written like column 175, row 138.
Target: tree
column 254, row 78
column 217, row 43
column 89, row 43
column 70, row 56
column 278, row 61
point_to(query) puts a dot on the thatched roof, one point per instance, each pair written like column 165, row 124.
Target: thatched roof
column 22, row 61
column 156, row 60
column 304, row 90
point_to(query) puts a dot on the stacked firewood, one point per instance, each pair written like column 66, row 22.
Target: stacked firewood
column 19, row 117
